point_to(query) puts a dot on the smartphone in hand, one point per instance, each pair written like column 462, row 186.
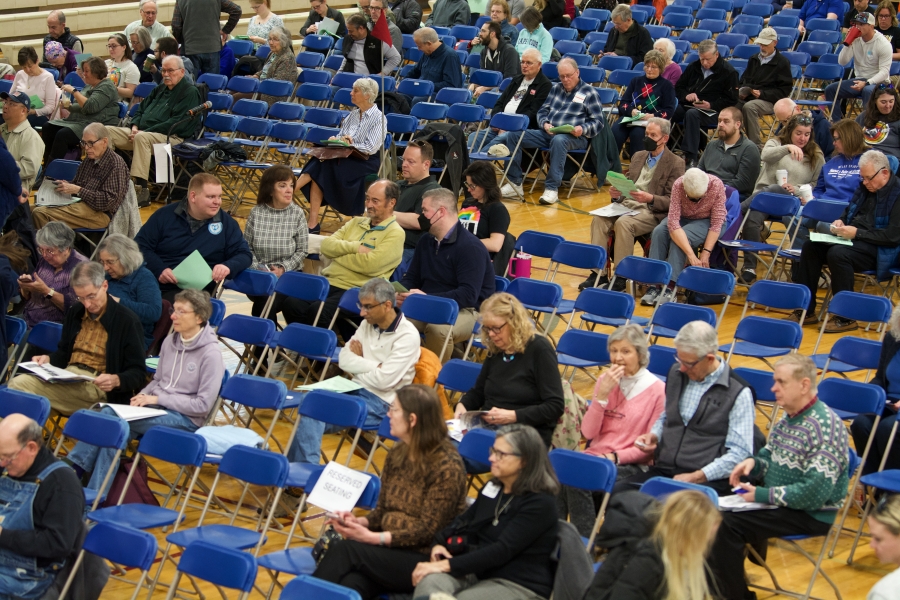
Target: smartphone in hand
column 336, row 517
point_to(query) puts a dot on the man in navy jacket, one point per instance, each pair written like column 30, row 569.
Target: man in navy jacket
column 197, row 223
column 439, row 65
column 449, row 262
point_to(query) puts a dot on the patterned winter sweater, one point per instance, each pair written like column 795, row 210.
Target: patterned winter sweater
column 804, row 464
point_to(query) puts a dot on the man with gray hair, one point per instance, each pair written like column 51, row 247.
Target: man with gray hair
column 58, row 32
column 696, row 216
column 381, row 356
column 571, row 102
column 162, row 112
column 439, row 64
column 706, row 87
column 627, row 37
column 871, row 222
column 653, row 171
column 41, row 510
column 802, row 471
column 101, row 341
column 707, row 426
column 149, row 13
column 449, row 262
column 364, row 54
column 101, row 182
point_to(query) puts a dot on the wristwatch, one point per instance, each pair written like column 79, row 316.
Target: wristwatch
column 50, row 294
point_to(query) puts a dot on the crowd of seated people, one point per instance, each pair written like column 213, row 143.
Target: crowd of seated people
column 109, row 309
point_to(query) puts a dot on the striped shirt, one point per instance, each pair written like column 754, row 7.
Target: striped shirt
column 367, row 130
column 581, row 106
column 738, row 441
column 89, row 348
column 277, row 236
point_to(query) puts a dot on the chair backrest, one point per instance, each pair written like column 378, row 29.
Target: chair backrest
column 760, row 381
column 252, row 331
column 579, row 256
column 707, row 281
column 476, row 446
column 661, row 487
column 585, row 345
column 773, row 333
column 778, row 205
column 222, row 566
column 430, row 309
column 218, row 312
column 536, row 293
column 341, row 410
column 304, row 286
column 858, row 352
column 675, row 316
column 215, row 81
column 174, row 446
column 310, row 60
column 661, row 360
column 605, row 303
column 97, row 429
column 644, row 270
column 851, row 396
column 255, row 392
column 62, row 169
column 459, row 375
column 307, row 586
column 583, row 471
column 122, row 545
column 36, row 408
column 15, row 330
column 313, row 343
column 861, row 307
column 537, row 243
column 252, row 282
column 779, row 294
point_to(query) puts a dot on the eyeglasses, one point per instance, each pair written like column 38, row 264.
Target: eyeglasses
column 500, row 454
column 179, row 312
column 493, row 330
column 110, row 262
column 48, row 251
column 836, row 138
column 169, row 70
column 689, row 365
column 368, row 307
column 804, row 119
column 89, row 297
column 868, row 179
column 6, row 459
column 471, row 186
column 113, row 46
column 887, row 16
column 530, row 62
column 87, row 143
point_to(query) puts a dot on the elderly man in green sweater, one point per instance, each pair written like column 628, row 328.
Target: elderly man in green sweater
column 166, row 106
column 802, row 471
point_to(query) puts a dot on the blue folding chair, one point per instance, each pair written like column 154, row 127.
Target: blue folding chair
column 661, row 360
column 458, row 376
column 582, row 350
column 603, row 307
column 508, row 123
column 662, row 487
column 310, row 60
column 886, row 481
column 304, row 587
column 646, row 271
column 36, row 408
column 764, row 338
column 62, row 169
column 539, row 297
column 215, row 81
column 764, row 398
column 218, row 313
column 475, row 450
column 122, row 546
column 252, row 332
column 312, row 344
column 585, row 472
column 221, row 566
column 97, row 429
column 16, row 329
column 669, row 318
column 299, row 561
column 302, row 286
column 43, row 337
column 433, row 310
column 855, row 353
column 318, row 43
column 174, row 446
column 577, row 256
column 707, row 281
column 252, row 393
column 252, row 283
column 779, row 295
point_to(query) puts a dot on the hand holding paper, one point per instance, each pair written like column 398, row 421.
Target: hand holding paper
column 621, row 183
column 193, row 273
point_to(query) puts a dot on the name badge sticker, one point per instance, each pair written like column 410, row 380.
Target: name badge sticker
column 215, row 228
column 491, row 489
column 579, row 98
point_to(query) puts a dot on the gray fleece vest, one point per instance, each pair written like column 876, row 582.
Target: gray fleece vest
column 692, row 446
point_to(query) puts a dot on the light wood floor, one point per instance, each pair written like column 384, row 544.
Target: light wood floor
column 570, row 220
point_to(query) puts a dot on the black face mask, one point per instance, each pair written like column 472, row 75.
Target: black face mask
column 650, row 144
column 424, row 223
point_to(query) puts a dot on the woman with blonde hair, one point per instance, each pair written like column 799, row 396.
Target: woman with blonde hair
column 884, row 525
column 671, row 563
column 519, row 381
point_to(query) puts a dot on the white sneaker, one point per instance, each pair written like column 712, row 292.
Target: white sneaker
column 667, row 296
column 512, row 190
column 549, row 197
column 649, row 299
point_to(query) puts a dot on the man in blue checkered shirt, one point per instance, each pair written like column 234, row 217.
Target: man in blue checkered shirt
column 571, row 102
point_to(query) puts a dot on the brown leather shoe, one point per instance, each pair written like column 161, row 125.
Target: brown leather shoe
column 810, row 319
column 840, row 324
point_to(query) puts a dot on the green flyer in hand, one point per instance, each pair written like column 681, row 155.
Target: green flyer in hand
column 562, row 129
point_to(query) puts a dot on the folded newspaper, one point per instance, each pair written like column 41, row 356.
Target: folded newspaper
column 53, row 374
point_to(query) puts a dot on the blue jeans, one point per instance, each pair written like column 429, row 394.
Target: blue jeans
column 307, row 444
column 663, row 248
column 633, row 135
column 97, row 461
column 475, row 140
column 208, row 62
column 559, row 146
column 846, row 91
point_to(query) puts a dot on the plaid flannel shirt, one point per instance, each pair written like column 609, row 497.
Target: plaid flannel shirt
column 561, row 108
column 277, row 237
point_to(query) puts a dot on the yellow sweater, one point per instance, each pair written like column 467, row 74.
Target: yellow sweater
column 350, row 268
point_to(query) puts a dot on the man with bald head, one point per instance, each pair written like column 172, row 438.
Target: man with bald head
column 41, row 507
column 166, row 106
column 149, row 20
column 58, row 32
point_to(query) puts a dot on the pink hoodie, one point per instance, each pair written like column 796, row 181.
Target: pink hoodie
column 188, row 377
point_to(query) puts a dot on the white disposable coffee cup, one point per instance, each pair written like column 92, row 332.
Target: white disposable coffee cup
column 805, row 192
column 781, row 176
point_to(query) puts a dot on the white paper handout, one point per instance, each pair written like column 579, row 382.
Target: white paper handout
column 736, row 503
column 53, row 374
column 48, row 196
column 338, row 488
column 162, row 156
column 614, row 209
column 131, row 413
column 327, row 26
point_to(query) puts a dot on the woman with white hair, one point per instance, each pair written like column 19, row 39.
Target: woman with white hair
column 131, row 284
column 363, row 130
column 886, row 377
column 47, row 291
column 672, row 70
column 696, row 216
column 280, row 64
column 626, row 402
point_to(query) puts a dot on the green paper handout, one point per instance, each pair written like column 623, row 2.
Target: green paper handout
column 193, row 273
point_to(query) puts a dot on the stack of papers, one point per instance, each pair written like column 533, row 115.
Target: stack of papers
column 614, row 210
column 828, row 239
column 52, row 374
column 736, row 503
column 621, row 183
column 131, row 413
column 332, row 384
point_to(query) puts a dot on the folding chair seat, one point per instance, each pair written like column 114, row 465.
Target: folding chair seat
column 662, row 487
column 249, row 331
column 120, row 545
column 585, row 472
column 36, row 408
column 475, row 450
column 661, row 360
column 538, row 297
column 299, row 561
column 646, row 271
column 243, row 395
column 708, row 281
column 310, row 60
column 433, row 310
column 853, row 354
column 285, row 140
column 96, row 429
column 582, row 349
column 669, row 318
column 818, row 210
column 416, row 88
column 773, row 205
column 816, row 78
column 176, row 447
column 508, row 123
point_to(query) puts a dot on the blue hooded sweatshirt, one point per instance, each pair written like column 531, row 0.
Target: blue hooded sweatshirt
column 839, row 179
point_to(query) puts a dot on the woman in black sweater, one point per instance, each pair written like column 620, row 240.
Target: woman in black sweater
column 500, row 547
column 519, row 382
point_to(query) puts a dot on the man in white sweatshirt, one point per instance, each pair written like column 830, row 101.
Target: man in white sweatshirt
column 871, row 54
column 381, row 356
